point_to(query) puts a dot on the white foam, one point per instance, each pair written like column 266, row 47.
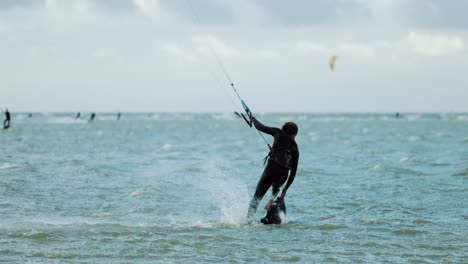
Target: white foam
column 405, row 159
column 6, row 166
column 224, row 116
column 65, row 120
column 414, row 117
column 229, row 194
column 137, row 192
column 167, row 147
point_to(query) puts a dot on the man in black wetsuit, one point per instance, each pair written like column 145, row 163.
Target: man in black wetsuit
column 6, row 123
column 91, row 118
column 283, row 156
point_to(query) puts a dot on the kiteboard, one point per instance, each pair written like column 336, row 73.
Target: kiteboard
column 276, row 212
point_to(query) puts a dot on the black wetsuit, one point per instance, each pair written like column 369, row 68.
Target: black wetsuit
column 6, row 123
column 284, row 156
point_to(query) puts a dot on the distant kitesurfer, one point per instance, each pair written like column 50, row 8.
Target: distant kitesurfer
column 91, row 118
column 118, row 115
column 281, row 161
column 6, row 123
column 30, row 115
column 78, row 115
column 397, row 115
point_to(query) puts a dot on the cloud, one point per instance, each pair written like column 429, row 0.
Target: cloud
column 344, row 48
column 435, row 44
column 356, row 49
column 206, row 11
column 206, row 44
column 306, row 12
column 10, row 4
column 150, row 8
column 435, row 14
column 308, row 47
column 210, row 46
column 178, row 54
column 78, row 6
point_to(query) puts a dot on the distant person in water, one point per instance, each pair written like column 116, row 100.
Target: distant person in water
column 397, row 115
column 281, row 161
column 78, row 115
column 118, row 115
column 6, row 123
column 91, row 118
column 30, row 115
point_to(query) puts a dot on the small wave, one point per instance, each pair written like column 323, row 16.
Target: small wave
column 408, row 232
column 371, row 220
column 6, row 166
column 457, row 188
column 325, row 217
column 335, row 207
column 406, row 159
column 33, row 235
column 167, row 147
column 422, row 221
column 413, row 117
column 225, row 116
column 348, row 204
column 66, row 120
column 63, row 221
column 331, row 227
column 137, row 192
column 461, row 173
column 439, row 164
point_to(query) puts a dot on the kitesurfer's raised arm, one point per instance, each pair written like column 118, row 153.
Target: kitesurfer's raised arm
column 265, row 129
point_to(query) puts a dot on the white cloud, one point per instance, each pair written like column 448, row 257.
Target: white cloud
column 180, row 55
column 265, row 54
column 356, row 49
column 78, row 6
column 308, row 47
column 210, row 46
column 346, row 48
column 435, row 44
column 205, row 45
column 150, row 8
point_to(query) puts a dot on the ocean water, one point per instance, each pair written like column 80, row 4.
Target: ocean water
column 174, row 188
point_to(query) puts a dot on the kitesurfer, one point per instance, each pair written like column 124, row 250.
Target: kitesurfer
column 93, row 115
column 281, row 160
column 6, row 122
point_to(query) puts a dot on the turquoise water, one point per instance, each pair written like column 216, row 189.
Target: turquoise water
column 174, row 188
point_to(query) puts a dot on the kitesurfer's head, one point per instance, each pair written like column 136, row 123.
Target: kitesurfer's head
column 290, row 128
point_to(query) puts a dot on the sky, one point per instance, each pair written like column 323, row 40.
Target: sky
column 178, row 55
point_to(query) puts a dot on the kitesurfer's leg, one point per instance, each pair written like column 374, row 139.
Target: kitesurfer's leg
column 279, row 176
column 262, row 187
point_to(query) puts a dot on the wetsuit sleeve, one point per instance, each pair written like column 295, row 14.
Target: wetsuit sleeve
column 265, row 129
column 292, row 174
